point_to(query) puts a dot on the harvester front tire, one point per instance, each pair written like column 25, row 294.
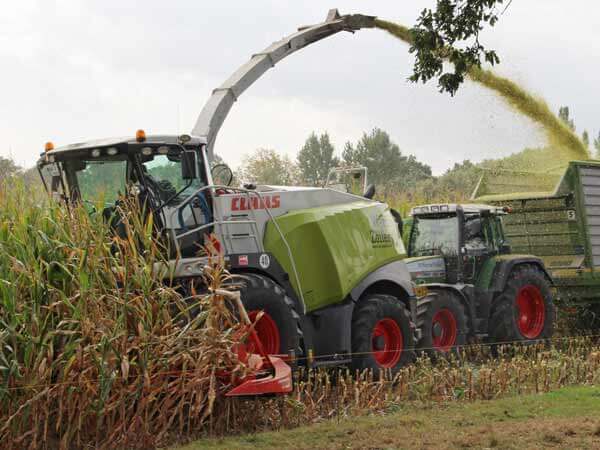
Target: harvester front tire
column 278, row 328
column 443, row 323
column 524, row 311
column 382, row 336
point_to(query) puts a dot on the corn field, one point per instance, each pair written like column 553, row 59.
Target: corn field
column 96, row 352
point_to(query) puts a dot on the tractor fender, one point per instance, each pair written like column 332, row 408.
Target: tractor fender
column 461, row 291
column 391, row 279
column 505, row 265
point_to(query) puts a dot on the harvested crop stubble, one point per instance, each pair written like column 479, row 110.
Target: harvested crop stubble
column 565, row 144
column 94, row 351
column 321, row 395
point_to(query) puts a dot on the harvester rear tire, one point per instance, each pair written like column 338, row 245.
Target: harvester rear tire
column 524, row 311
column 443, row 315
column 260, row 293
column 382, row 336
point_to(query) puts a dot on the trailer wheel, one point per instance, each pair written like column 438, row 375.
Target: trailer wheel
column 524, row 311
column 382, row 336
column 278, row 329
column 443, row 323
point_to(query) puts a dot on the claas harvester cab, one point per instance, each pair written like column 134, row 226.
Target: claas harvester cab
column 325, row 267
column 477, row 287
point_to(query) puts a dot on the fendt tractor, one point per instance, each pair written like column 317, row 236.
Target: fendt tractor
column 326, row 267
column 477, row 287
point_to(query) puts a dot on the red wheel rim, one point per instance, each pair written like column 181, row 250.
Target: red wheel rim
column 444, row 330
column 387, row 343
column 531, row 311
column 267, row 332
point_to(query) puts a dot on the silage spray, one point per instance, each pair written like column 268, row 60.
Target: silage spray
column 563, row 145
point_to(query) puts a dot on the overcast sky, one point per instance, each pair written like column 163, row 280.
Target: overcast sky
column 76, row 70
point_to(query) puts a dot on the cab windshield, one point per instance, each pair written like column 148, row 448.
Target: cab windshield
column 163, row 174
column 434, row 236
column 101, row 182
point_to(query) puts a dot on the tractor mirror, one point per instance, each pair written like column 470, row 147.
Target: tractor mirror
column 222, row 175
column 369, row 192
column 188, row 165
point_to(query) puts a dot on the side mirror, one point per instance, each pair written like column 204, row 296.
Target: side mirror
column 222, row 175
column 188, row 165
column 370, row 192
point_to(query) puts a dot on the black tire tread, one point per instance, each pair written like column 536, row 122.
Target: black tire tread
column 257, row 281
column 502, row 327
column 362, row 328
column 424, row 309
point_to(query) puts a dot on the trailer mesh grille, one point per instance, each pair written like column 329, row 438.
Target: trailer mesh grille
column 590, row 185
column 543, row 227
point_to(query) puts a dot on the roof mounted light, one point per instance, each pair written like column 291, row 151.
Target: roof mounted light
column 184, row 138
column 95, row 153
column 49, row 147
column 112, row 151
column 147, row 151
column 140, row 135
column 163, row 150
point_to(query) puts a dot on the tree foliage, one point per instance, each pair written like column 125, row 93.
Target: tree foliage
column 451, row 32
column 386, row 165
column 8, row 168
column 315, row 159
column 565, row 115
column 585, row 137
column 597, row 145
column 266, row 166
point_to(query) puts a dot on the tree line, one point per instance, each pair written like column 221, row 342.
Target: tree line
column 387, row 165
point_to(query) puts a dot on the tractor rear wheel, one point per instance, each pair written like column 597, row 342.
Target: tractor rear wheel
column 278, row 328
column 524, row 311
column 382, row 336
column 443, row 323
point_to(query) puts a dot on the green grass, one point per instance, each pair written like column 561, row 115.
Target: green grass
column 567, row 418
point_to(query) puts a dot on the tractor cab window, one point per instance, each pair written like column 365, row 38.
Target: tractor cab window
column 434, row 236
column 477, row 234
column 163, row 175
column 99, row 182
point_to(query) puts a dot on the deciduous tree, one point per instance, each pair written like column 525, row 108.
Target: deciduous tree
column 315, row 159
column 451, row 32
column 266, row 166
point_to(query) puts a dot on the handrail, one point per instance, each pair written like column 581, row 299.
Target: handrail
column 219, row 222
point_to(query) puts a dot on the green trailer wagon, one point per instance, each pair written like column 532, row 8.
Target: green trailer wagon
column 562, row 227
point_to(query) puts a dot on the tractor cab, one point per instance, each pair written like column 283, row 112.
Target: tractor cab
column 162, row 173
column 348, row 179
column 448, row 243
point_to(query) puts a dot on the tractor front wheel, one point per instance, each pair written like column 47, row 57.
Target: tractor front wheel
column 382, row 336
column 524, row 311
column 443, row 323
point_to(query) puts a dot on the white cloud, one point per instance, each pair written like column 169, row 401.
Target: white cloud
column 80, row 70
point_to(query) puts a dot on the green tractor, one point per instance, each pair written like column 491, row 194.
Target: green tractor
column 477, row 288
